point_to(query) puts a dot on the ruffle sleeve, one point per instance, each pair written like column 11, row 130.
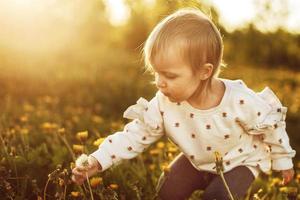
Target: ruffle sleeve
column 146, row 113
column 274, row 116
column 272, row 130
column 144, row 129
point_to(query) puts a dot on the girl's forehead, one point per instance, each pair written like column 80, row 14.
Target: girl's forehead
column 169, row 59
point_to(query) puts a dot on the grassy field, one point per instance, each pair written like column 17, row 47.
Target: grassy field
column 48, row 118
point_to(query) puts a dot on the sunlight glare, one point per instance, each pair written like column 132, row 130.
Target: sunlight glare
column 117, row 11
column 35, row 26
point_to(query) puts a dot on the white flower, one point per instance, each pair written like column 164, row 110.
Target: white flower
column 82, row 161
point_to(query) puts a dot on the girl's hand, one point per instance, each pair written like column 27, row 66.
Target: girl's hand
column 80, row 173
column 287, row 175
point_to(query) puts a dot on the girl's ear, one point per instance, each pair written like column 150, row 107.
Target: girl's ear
column 205, row 71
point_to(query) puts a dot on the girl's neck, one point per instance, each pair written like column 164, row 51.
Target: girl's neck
column 208, row 95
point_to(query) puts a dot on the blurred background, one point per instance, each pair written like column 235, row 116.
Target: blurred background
column 77, row 65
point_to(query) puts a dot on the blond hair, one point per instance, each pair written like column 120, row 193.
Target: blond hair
column 192, row 33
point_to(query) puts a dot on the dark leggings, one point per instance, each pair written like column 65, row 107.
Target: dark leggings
column 183, row 179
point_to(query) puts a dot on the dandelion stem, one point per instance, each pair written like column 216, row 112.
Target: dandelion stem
column 88, row 181
column 16, row 172
column 226, row 186
column 65, row 191
column 220, row 170
column 8, row 157
column 68, row 147
column 45, row 188
column 15, row 178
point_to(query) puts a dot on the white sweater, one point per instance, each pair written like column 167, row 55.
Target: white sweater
column 246, row 128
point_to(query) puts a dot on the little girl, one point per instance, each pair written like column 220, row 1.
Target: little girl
column 201, row 114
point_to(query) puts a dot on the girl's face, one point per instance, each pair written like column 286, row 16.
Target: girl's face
column 174, row 78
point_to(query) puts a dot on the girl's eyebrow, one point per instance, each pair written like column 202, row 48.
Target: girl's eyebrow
column 165, row 71
column 168, row 72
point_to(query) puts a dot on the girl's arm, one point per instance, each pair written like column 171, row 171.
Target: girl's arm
column 146, row 128
column 272, row 130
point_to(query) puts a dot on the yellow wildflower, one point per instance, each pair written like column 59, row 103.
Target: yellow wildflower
column 170, row 155
column 283, row 189
column 77, row 148
column 61, row 131
column 28, row 107
column 98, row 141
column 276, row 182
column 160, row 145
column 293, row 190
column 97, row 119
column 298, row 164
column 82, row 136
column 172, row 149
column 39, row 198
column 117, row 125
column 13, row 131
column 49, row 126
column 218, row 156
column 298, row 178
column 95, row 181
column 114, row 186
column 219, row 162
column 61, row 182
column 24, row 131
column 72, row 165
column 165, row 167
column 154, row 152
column 47, row 99
column 13, row 151
column 3, row 160
column 289, row 190
column 24, row 118
column 152, row 167
column 75, row 194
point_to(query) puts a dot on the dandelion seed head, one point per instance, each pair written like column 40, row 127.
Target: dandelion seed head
column 82, row 161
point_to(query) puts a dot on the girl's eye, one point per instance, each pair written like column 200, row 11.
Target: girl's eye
column 166, row 75
column 171, row 76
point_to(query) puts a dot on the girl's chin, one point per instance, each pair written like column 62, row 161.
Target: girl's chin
column 172, row 99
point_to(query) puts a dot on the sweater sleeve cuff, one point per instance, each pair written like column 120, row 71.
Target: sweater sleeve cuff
column 103, row 158
column 282, row 164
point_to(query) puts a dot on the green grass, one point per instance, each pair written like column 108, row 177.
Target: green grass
column 41, row 114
